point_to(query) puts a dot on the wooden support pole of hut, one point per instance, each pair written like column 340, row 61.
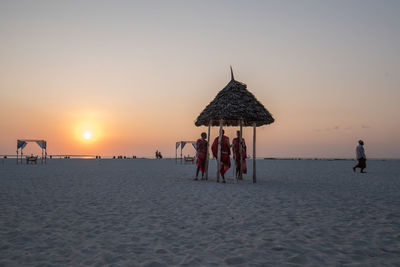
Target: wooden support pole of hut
column 240, row 151
column 221, row 121
column 254, row 153
column 208, row 146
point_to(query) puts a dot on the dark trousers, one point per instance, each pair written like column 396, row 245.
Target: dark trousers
column 361, row 164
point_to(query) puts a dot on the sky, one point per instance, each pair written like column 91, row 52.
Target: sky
column 134, row 75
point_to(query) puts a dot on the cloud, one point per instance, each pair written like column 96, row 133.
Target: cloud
column 333, row 128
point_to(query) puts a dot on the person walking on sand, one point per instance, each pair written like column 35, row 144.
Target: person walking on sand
column 236, row 154
column 225, row 154
column 360, row 154
column 201, row 155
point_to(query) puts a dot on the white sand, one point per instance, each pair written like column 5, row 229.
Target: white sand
column 149, row 212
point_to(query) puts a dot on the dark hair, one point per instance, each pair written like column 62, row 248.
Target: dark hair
column 361, row 142
column 203, row 134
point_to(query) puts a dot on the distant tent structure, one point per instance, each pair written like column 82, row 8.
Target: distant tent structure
column 21, row 143
column 182, row 145
column 234, row 105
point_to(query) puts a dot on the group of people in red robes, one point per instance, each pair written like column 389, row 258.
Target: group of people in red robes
column 201, row 146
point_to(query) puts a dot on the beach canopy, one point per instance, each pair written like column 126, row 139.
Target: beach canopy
column 234, row 105
column 182, row 145
column 21, row 144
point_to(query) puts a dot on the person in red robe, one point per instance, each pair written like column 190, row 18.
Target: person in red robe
column 236, row 154
column 201, row 155
column 225, row 154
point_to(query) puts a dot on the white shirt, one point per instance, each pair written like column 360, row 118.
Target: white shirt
column 360, row 153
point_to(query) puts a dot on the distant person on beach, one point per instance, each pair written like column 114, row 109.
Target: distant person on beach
column 360, row 154
column 201, row 155
column 225, row 154
column 236, row 154
column 158, row 155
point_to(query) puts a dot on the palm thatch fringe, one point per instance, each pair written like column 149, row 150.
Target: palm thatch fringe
column 233, row 104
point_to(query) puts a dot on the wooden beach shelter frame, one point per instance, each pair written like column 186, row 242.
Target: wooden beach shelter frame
column 182, row 145
column 234, row 105
column 21, row 143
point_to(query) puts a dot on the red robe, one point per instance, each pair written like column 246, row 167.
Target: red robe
column 201, row 155
column 236, row 154
column 225, row 153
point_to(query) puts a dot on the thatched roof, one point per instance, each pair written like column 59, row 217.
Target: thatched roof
column 232, row 104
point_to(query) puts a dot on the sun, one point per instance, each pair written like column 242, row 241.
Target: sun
column 87, row 135
column 88, row 128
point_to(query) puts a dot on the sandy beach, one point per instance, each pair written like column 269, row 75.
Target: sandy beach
column 151, row 213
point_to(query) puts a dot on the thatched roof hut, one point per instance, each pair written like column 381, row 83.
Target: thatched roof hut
column 234, row 105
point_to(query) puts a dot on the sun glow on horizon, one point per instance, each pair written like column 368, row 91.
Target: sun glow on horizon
column 88, row 127
column 87, row 135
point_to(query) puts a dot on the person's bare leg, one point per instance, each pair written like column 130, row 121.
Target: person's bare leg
column 357, row 166
column 197, row 173
column 237, row 171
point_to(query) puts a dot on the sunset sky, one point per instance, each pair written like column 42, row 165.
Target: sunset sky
column 126, row 77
